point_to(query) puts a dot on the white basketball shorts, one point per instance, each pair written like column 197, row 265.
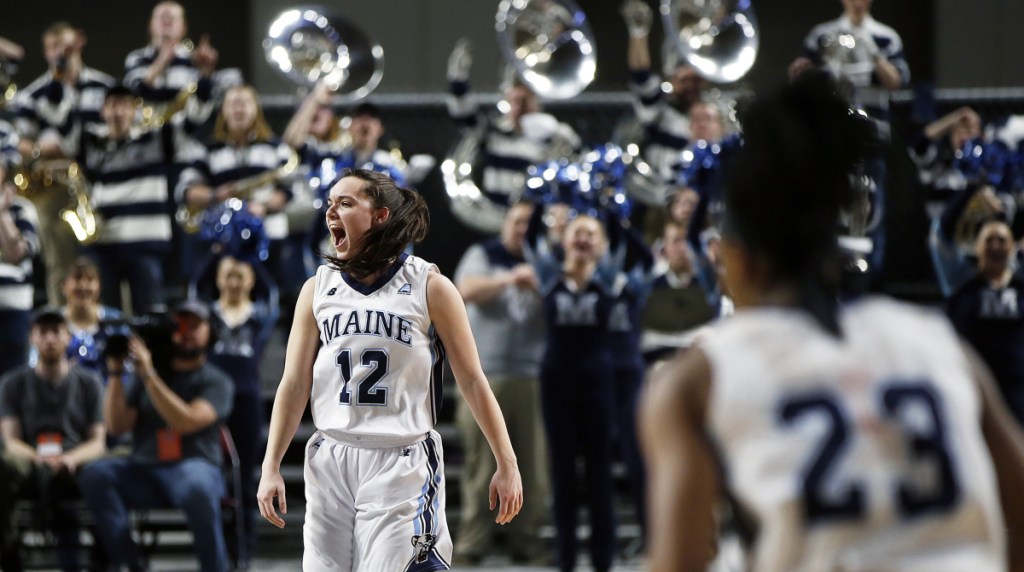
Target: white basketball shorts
column 375, row 509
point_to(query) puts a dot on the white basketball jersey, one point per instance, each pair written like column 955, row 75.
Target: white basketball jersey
column 856, row 453
column 377, row 377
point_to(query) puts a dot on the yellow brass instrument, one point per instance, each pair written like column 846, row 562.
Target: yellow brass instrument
column 8, row 88
column 192, row 218
column 155, row 116
column 39, row 176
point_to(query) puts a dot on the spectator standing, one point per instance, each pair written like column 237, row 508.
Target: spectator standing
column 504, row 308
column 241, row 327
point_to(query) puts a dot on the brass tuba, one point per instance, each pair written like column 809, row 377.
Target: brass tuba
column 549, row 45
column 50, row 175
column 309, row 45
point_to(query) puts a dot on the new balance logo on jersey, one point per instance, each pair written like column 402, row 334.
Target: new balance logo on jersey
column 405, row 289
column 332, row 291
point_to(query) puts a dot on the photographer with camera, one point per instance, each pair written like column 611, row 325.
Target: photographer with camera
column 173, row 413
column 51, row 420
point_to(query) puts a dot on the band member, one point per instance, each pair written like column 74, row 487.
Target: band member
column 315, row 133
column 244, row 148
column 665, row 117
column 161, row 71
column 510, row 145
column 129, row 172
column 19, row 242
column 874, row 66
column 45, row 114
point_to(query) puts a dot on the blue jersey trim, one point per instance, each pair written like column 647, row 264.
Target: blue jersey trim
column 366, row 290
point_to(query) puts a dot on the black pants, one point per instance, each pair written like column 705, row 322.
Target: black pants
column 578, row 421
column 52, row 496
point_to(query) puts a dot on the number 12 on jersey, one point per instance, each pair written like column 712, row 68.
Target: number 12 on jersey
column 367, row 390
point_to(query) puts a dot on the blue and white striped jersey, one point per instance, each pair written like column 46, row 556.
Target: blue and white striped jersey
column 16, row 291
column 226, row 163
column 377, row 376
column 9, row 155
column 180, row 73
column 870, row 93
column 129, row 184
column 507, row 153
column 666, row 128
column 49, row 107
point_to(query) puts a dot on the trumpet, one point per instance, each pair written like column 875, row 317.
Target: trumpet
column 192, row 218
column 37, row 177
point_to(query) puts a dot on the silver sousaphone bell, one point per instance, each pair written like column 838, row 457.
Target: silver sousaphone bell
column 719, row 38
column 549, row 44
column 309, row 44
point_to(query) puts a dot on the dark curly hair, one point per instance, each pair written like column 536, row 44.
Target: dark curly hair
column 406, row 224
column 786, row 187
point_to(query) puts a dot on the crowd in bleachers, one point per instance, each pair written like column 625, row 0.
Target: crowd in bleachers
column 132, row 207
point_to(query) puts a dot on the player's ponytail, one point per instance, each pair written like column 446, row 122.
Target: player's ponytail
column 407, row 223
column 785, row 189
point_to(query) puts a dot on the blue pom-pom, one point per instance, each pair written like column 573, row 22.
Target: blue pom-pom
column 236, row 231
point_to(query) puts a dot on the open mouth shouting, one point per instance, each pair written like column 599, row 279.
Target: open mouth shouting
column 338, row 235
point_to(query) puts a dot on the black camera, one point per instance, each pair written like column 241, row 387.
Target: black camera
column 154, row 329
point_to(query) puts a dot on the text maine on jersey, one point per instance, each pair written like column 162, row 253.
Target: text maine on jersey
column 380, row 323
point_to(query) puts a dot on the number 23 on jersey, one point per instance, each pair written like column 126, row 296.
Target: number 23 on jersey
column 918, row 410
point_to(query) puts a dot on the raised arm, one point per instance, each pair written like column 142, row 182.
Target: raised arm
column 448, row 314
column 682, row 478
column 297, row 131
column 638, row 17
column 461, row 105
column 185, row 417
column 289, row 403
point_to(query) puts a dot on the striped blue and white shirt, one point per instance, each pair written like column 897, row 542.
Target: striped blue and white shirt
column 16, row 291
column 50, row 107
column 129, row 184
column 178, row 75
column 870, row 93
column 9, row 155
column 226, row 163
column 507, row 153
column 666, row 128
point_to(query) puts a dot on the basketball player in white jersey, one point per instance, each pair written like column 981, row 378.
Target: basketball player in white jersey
column 367, row 347
column 856, row 438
